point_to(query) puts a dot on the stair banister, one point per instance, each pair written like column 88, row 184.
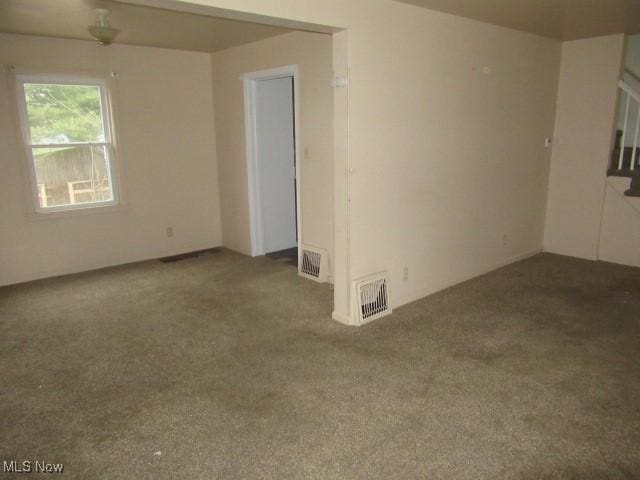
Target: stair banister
column 635, row 96
column 632, row 74
column 635, row 141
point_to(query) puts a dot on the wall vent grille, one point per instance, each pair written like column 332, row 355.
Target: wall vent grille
column 372, row 297
column 313, row 263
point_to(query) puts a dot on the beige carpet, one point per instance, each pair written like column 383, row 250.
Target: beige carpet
column 225, row 367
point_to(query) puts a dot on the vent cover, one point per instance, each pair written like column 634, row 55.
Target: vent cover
column 372, row 297
column 313, row 263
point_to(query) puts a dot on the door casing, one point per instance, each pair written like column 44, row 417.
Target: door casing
column 253, row 168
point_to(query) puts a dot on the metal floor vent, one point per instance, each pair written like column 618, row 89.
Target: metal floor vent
column 372, row 297
column 313, row 263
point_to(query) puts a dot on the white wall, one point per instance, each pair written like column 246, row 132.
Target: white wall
column 585, row 115
column 312, row 53
column 166, row 150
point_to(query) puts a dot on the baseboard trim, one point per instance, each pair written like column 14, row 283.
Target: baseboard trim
column 341, row 319
column 570, row 255
column 101, row 266
column 425, row 292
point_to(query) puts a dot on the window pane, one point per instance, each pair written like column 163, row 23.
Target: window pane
column 64, row 113
column 72, row 175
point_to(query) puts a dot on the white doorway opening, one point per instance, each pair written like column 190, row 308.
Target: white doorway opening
column 273, row 169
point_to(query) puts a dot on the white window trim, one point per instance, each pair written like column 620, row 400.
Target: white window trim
column 109, row 143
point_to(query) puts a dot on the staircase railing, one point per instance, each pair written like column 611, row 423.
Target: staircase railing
column 629, row 96
column 632, row 74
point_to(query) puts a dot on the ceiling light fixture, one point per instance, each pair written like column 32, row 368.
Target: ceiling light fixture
column 101, row 31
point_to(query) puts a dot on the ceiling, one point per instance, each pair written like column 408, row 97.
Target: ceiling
column 143, row 25
column 561, row 19
column 138, row 25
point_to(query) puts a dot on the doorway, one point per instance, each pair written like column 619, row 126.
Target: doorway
column 271, row 116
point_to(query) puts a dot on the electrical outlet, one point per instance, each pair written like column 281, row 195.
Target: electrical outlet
column 405, row 273
column 169, row 232
column 505, row 240
column 306, row 153
column 547, row 142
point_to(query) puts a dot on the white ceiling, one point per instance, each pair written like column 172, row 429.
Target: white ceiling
column 138, row 25
column 561, row 19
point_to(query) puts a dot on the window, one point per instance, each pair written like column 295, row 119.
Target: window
column 67, row 132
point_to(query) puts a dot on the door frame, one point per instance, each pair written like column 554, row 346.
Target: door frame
column 253, row 171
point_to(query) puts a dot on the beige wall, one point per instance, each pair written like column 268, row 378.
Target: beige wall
column 585, row 115
column 445, row 165
column 312, row 53
column 588, row 214
column 448, row 119
column 444, row 160
column 632, row 54
column 620, row 231
column 166, row 151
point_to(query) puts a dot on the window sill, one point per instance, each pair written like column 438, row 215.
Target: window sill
column 36, row 216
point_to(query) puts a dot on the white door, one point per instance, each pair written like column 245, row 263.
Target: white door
column 276, row 161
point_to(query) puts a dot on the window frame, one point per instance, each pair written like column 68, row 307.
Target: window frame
column 108, row 143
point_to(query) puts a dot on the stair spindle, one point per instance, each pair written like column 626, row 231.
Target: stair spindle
column 624, row 133
column 635, row 141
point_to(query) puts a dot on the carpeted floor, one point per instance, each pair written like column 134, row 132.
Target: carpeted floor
column 226, row 367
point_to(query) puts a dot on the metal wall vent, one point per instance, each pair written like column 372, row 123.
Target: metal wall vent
column 372, row 297
column 313, row 263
